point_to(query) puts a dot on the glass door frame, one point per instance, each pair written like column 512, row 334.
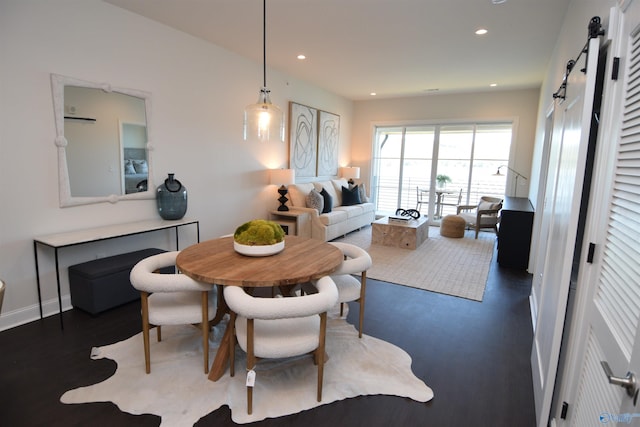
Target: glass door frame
column 436, row 128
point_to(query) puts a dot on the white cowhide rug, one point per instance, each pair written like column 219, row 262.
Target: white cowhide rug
column 178, row 390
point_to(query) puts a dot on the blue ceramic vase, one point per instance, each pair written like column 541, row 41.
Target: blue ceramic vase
column 171, row 197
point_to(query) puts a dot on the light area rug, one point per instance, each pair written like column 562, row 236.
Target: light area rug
column 180, row 393
column 451, row 266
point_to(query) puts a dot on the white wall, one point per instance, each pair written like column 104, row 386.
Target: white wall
column 198, row 94
column 518, row 105
column 573, row 37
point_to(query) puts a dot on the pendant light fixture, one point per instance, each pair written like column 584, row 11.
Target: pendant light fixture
column 263, row 120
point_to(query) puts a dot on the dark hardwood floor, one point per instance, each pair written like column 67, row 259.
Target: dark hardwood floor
column 475, row 357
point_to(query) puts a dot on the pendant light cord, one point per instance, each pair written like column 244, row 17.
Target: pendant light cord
column 264, row 42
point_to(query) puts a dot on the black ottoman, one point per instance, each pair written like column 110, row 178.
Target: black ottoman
column 103, row 283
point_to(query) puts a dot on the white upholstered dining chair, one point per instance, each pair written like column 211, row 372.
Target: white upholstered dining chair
column 356, row 261
column 172, row 299
column 278, row 328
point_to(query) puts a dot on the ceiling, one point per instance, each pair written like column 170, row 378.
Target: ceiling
column 394, row 48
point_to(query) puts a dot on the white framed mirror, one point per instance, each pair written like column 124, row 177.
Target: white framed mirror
column 103, row 136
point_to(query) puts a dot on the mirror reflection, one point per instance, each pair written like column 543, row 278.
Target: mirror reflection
column 103, row 149
column 106, row 136
column 133, row 140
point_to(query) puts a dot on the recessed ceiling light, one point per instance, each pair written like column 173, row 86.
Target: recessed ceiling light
column 481, row 31
column 301, row 56
column 498, row 1
column 373, row 94
column 493, row 84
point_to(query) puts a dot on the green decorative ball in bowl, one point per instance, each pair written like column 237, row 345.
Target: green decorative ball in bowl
column 259, row 237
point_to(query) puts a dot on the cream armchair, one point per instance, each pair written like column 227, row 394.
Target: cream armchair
column 486, row 213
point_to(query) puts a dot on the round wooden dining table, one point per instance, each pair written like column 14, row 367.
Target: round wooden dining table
column 215, row 261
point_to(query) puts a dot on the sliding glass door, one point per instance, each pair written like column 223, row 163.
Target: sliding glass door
column 454, row 161
column 446, row 164
column 402, row 162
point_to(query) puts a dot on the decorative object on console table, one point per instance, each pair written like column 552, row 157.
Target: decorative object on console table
column 351, row 173
column 171, row 197
column 283, row 177
column 514, row 237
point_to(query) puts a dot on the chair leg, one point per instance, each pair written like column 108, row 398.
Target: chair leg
column 341, row 308
column 363, row 289
column 251, row 363
column 232, row 344
column 320, row 353
column 159, row 333
column 144, row 302
column 205, row 330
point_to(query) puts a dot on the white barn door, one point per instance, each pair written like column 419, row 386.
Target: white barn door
column 560, row 216
column 606, row 326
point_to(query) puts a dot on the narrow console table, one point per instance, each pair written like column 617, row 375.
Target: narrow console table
column 79, row 237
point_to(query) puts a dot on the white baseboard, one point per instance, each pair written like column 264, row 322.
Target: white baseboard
column 11, row 319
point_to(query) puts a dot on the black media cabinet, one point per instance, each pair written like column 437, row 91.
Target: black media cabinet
column 514, row 236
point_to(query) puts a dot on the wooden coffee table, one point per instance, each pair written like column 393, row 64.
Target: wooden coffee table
column 407, row 235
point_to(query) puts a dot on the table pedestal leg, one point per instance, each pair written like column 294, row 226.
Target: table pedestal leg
column 221, row 308
column 219, row 365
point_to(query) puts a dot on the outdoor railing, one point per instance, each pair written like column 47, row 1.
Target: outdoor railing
column 386, row 196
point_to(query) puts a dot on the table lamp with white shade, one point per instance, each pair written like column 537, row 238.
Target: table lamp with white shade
column 351, row 173
column 283, row 177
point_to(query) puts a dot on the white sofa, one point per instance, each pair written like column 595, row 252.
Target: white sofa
column 341, row 220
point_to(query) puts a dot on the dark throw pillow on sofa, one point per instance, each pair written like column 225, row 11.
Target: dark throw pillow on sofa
column 328, row 201
column 350, row 197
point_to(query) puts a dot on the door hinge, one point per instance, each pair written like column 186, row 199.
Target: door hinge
column 565, row 408
column 592, row 249
column 615, row 69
